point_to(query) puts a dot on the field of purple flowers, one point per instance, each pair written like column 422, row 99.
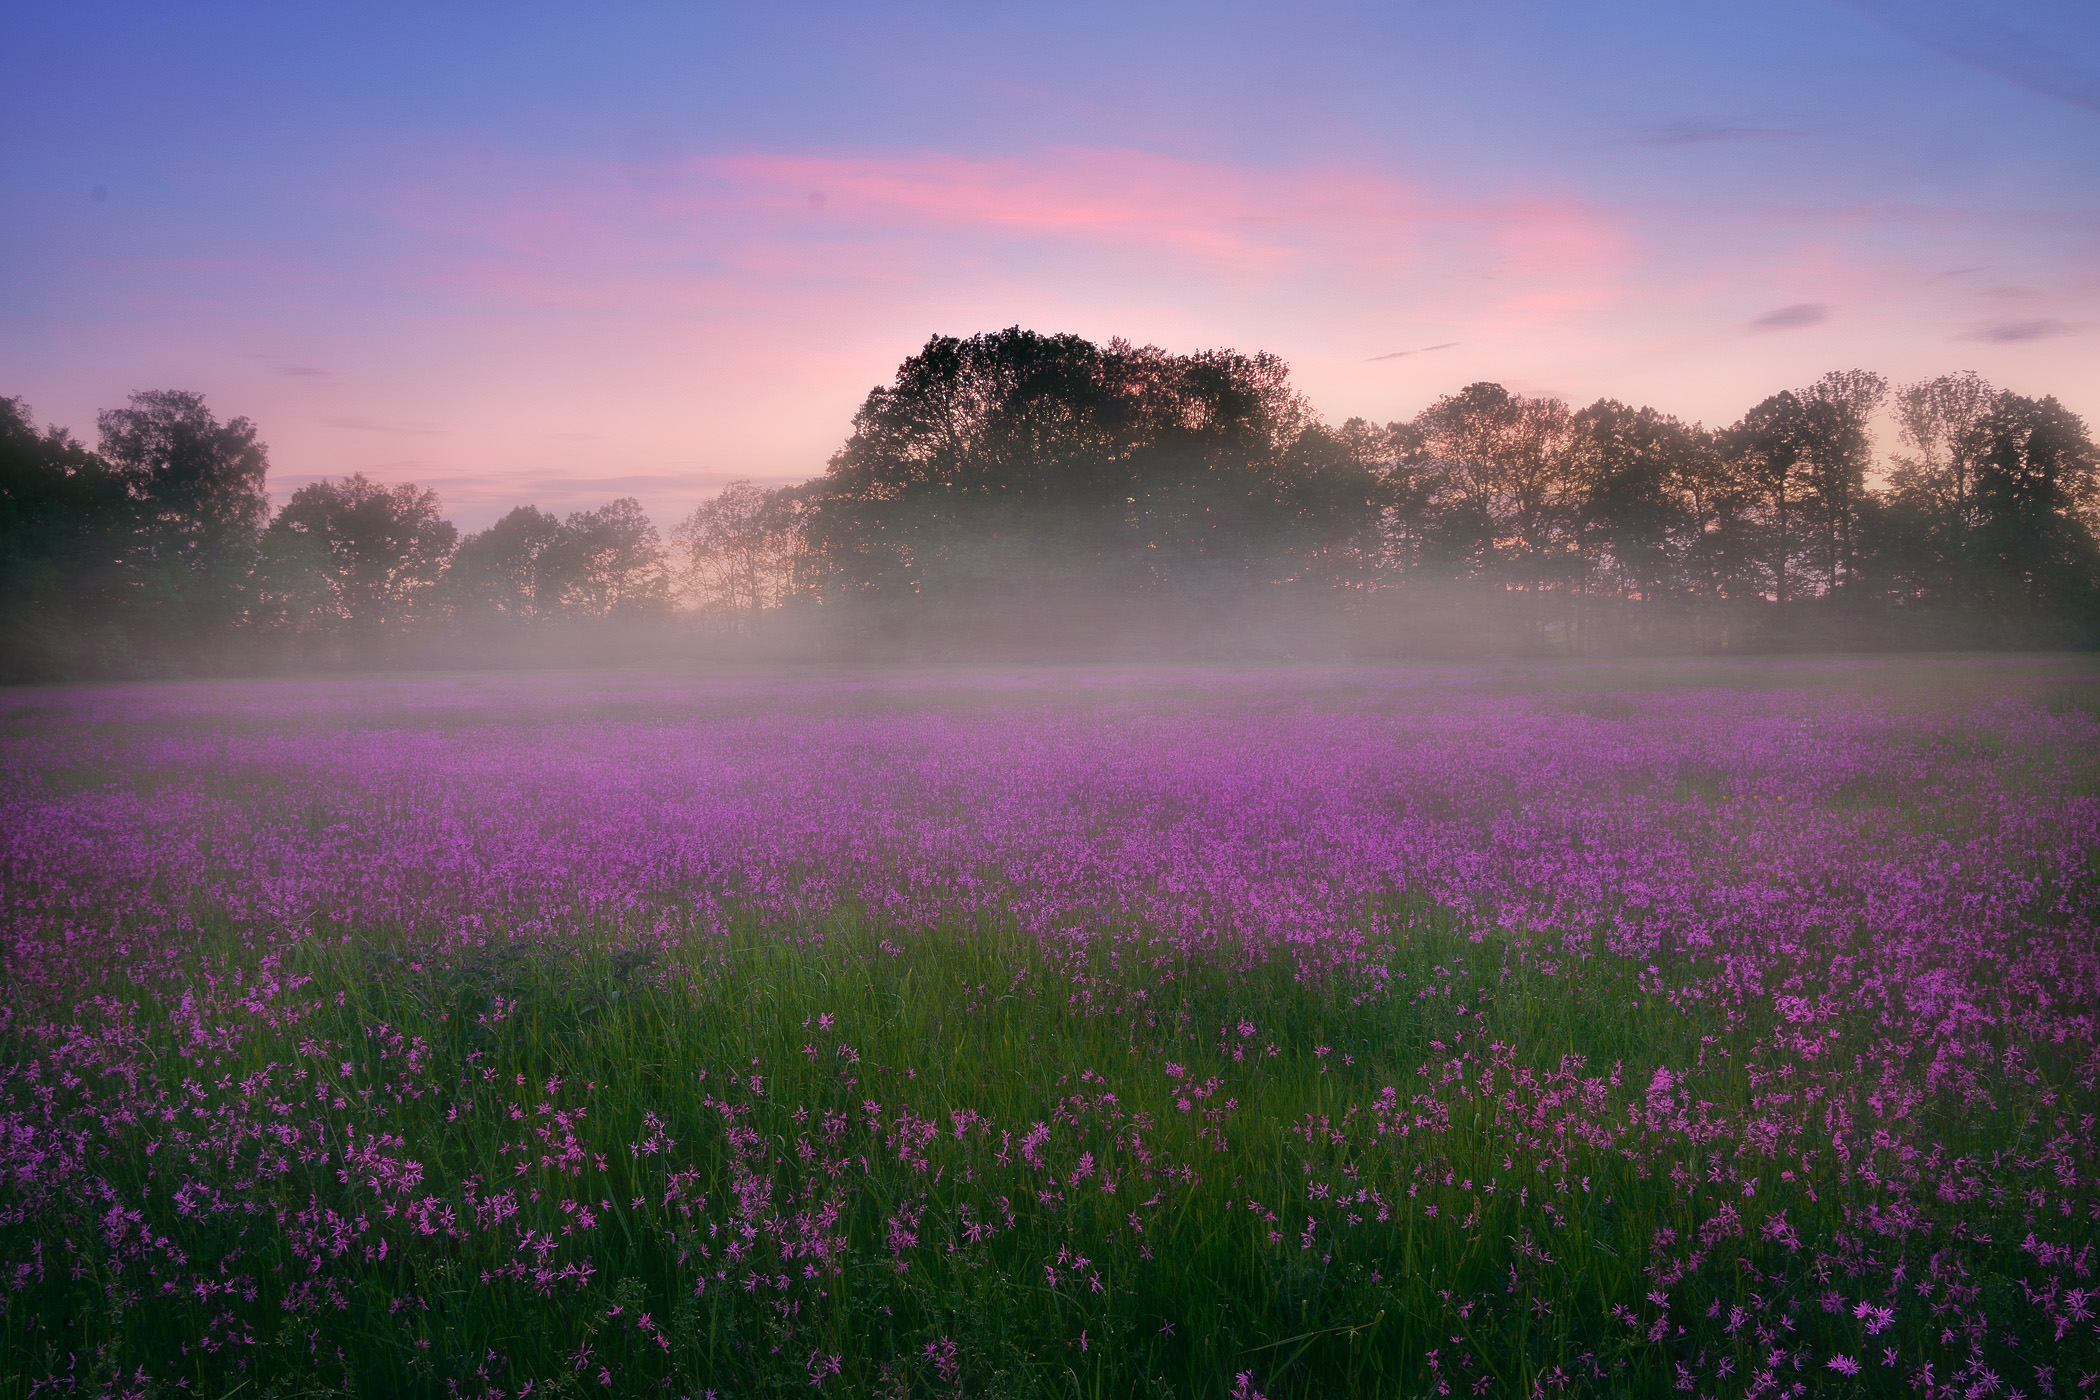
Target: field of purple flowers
column 1724, row 1030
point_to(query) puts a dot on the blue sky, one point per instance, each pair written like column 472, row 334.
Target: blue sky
column 555, row 255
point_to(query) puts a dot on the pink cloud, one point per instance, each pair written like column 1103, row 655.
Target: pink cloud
column 535, row 231
column 557, row 328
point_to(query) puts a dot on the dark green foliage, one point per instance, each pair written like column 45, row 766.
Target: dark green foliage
column 1015, row 492
column 352, row 555
column 136, row 558
column 2033, row 552
column 1022, row 463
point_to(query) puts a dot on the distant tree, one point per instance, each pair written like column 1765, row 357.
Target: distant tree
column 1637, row 476
column 200, row 506
column 738, row 551
column 1333, row 487
column 2036, row 492
column 1933, row 486
column 1018, row 462
column 1771, row 449
column 1507, row 468
column 1214, row 477
column 498, row 571
column 1405, row 520
column 605, row 563
column 1840, row 445
column 354, row 554
column 66, row 529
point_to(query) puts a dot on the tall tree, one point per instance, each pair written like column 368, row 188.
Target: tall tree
column 1405, row 524
column 1507, row 463
column 1935, row 483
column 1632, row 469
column 66, row 525
column 1332, row 487
column 1724, row 558
column 355, row 554
column 1017, row 462
column 607, row 563
column 1840, row 446
column 2036, row 496
column 200, row 505
column 1770, row 448
column 738, row 551
column 497, row 572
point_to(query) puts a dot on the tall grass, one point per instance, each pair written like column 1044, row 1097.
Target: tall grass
column 736, row 1148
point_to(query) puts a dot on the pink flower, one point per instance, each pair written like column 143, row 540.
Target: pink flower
column 1876, row 1317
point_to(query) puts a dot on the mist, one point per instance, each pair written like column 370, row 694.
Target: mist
column 1032, row 497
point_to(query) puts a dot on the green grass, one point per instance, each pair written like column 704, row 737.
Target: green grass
column 971, row 1020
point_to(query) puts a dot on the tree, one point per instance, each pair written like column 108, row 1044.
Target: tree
column 1402, row 525
column 1839, row 445
column 355, row 554
column 498, row 571
column 1936, row 485
column 2036, row 488
column 1506, row 463
column 738, row 551
column 1015, row 462
column 1331, row 487
column 1770, row 448
column 605, row 563
column 200, row 505
column 1638, row 474
column 66, row 524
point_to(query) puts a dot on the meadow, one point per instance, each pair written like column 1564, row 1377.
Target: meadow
column 1724, row 1029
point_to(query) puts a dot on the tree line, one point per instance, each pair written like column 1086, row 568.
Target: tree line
column 1023, row 490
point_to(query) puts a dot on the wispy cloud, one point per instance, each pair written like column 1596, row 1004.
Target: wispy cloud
column 1699, row 131
column 1792, row 318
column 366, row 425
column 1985, row 36
column 1403, row 354
column 881, row 219
column 2013, row 332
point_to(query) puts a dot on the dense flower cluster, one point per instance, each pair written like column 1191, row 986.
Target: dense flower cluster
column 1737, row 1038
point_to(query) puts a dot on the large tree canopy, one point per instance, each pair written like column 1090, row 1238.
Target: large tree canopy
column 498, row 572
column 1019, row 461
column 200, row 502
column 67, row 527
column 355, row 554
column 2037, row 488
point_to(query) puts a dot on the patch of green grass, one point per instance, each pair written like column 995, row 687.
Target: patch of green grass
column 886, row 1080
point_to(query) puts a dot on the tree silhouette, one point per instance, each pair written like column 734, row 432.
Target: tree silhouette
column 1936, row 487
column 199, row 507
column 498, row 571
column 738, row 551
column 1017, row 463
column 1635, row 473
column 355, row 555
column 67, row 523
column 2036, row 491
column 1770, row 448
column 1840, row 446
column 606, row 563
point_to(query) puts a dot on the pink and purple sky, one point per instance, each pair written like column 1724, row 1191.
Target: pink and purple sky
column 558, row 255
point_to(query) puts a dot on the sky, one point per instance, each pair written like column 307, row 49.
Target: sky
column 554, row 255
